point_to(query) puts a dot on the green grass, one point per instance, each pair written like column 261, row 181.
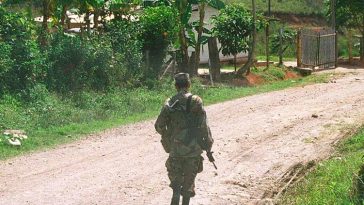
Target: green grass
column 49, row 119
column 332, row 181
column 275, row 58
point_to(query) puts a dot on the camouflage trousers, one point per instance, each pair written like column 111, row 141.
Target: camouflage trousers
column 182, row 172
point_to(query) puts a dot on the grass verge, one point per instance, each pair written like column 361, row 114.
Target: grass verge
column 49, row 119
column 332, row 181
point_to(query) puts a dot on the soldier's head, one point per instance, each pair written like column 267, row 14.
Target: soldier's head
column 182, row 81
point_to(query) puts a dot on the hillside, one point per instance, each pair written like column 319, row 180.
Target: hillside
column 307, row 7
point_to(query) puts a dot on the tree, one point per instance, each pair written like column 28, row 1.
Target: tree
column 251, row 55
column 349, row 14
column 282, row 40
column 233, row 27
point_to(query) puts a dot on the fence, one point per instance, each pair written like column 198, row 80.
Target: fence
column 318, row 48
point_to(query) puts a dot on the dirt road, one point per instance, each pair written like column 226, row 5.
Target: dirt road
column 258, row 140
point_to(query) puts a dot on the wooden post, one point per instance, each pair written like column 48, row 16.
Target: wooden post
column 318, row 62
column 281, row 46
column 299, row 49
column 267, row 34
column 336, row 49
column 214, row 59
column 350, row 46
column 362, row 49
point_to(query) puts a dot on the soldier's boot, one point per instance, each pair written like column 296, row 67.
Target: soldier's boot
column 176, row 195
column 186, row 199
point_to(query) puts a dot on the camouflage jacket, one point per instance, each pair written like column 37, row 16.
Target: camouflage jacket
column 173, row 123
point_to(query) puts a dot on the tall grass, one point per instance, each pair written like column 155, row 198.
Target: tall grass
column 332, row 181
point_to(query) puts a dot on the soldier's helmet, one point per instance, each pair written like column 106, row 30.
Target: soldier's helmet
column 182, row 80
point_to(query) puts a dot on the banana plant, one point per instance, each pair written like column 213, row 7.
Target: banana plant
column 184, row 8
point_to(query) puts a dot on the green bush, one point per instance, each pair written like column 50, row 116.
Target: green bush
column 23, row 65
column 5, row 66
column 159, row 30
column 127, row 48
column 81, row 63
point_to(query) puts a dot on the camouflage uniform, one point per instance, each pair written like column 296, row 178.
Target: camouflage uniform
column 185, row 160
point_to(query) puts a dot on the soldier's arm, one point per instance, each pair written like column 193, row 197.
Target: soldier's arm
column 199, row 110
column 161, row 123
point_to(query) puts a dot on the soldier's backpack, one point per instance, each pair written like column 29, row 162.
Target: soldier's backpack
column 195, row 130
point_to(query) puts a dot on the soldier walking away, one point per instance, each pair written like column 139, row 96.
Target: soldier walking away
column 185, row 134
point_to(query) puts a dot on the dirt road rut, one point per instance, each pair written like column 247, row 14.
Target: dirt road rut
column 258, row 139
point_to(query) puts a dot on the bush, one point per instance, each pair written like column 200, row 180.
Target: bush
column 159, row 30
column 23, row 65
column 82, row 63
column 127, row 48
column 5, row 66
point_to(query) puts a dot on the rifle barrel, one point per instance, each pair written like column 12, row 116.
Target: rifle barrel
column 214, row 165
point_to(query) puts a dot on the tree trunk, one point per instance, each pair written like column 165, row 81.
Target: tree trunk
column 214, row 60
column 183, row 65
column 362, row 49
column 280, row 47
column 267, row 34
column 96, row 18
column 87, row 20
column 63, row 16
column 350, row 46
column 45, row 31
column 251, row 55
column 184, row 51
column 299, row 49
column 201, row 8
column 191, row 63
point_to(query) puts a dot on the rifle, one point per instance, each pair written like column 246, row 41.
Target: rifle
column 211, row 158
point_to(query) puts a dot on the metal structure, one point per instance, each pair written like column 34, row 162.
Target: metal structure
column 318, row 48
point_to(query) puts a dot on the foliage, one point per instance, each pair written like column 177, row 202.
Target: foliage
column 159, row 31
column 122, row 7
column 349, row 14
column 288, row 38
column 127, row 47
column 18, row 45
column 272, row 74
column 5, row 66
column 233, row 27
column 85, row 63
column 305, row 7
column 332, row 182
column 343, row 46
